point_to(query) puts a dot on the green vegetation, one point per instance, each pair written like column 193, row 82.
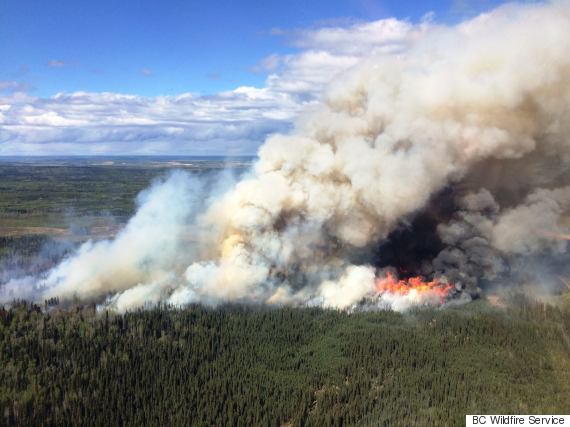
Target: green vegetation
column 271, row 367
column 22, row 246
column 30, row 254
column 45, row 195
column 47, row 209
column 40, row 195
column 248, row 366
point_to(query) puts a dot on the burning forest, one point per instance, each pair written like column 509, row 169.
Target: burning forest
column 426, row 177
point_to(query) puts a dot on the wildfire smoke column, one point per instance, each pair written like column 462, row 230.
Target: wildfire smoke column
column 478, row 108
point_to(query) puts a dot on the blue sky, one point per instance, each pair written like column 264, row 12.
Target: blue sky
column 185, row 77
column 151, row 47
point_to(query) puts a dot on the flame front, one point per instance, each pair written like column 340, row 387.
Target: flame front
column 415, row 289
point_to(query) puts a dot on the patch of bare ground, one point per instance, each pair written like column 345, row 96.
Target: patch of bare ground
column 29, row 231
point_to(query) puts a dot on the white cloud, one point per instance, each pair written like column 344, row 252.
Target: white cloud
column 83, row 122
column 362, row 39
column 330, row 50
column 233, row 122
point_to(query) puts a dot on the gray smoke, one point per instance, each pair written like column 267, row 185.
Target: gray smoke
column 480, row 109
column 485, row 243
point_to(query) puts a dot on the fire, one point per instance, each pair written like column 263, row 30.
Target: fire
column 414, row 287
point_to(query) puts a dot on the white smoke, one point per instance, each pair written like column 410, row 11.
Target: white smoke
column 391, row 133
column 529, row 227
column 152, row 247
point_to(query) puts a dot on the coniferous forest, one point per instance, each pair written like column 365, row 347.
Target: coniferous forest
column 284, row 213
column 250, row 366
column 65, row 364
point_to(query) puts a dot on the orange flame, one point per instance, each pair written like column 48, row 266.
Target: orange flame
column 417, row 285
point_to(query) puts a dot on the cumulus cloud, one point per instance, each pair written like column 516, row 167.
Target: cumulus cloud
column 362, row 39
column 84, row 122
column 330, row 50
column 232, row 122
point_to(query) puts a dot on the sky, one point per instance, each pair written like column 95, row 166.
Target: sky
column 185, row 77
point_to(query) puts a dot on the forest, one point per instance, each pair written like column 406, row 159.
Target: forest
column 257, row 366
column 65, row 363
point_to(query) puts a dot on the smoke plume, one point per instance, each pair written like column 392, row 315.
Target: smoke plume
column 447, row 161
